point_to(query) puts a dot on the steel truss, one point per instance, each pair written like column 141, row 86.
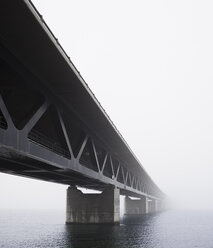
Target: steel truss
column 69, row 154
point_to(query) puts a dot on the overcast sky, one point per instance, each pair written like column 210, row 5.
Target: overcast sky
column 150, row 64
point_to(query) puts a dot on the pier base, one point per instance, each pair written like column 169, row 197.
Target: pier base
column 157, row 205
column 151, row 206
column 154, row 205
column 93, row 208
column 136, row 206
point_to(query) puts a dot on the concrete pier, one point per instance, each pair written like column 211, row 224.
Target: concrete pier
column 93, row 208
column 136, row 206
column 157, row 205
column 151, row 206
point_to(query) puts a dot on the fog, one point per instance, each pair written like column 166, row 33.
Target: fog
column 150, row 64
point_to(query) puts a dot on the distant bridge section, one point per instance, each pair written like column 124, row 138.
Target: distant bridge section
column 51, row 125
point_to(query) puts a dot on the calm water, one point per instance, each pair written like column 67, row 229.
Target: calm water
column 47, row 229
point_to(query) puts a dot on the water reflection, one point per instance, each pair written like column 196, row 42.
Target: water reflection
column 134, row 231
column 46, row 229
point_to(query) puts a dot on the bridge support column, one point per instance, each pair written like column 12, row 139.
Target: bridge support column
column 157, row 205
column 152, row 206
column 93, row 208
column 139, row 206
column 147, row 205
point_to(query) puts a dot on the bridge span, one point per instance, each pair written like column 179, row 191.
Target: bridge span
column 53, row 128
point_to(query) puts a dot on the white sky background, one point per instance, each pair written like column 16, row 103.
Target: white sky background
column 150, row 64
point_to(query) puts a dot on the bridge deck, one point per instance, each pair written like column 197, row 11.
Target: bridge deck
column 49, row 118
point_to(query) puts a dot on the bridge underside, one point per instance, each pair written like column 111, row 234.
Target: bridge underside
column 52, row 127
column 44, row 139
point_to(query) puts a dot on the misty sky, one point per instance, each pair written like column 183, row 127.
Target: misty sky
column 150, row 64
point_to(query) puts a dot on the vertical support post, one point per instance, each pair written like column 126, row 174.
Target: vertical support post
column 147, row 205
column 156, row 205
column 136, row 206
column 93, row 208
column 152, row 205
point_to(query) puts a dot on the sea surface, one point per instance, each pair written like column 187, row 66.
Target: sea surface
column 171, row 229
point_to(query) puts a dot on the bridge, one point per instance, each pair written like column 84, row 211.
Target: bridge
column 53, row 128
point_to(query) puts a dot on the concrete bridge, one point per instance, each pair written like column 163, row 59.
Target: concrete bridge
column 53, row 128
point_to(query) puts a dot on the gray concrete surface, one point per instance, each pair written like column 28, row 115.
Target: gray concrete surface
column 93, row 208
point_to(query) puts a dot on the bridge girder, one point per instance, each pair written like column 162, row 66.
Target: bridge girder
column 35, row 90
